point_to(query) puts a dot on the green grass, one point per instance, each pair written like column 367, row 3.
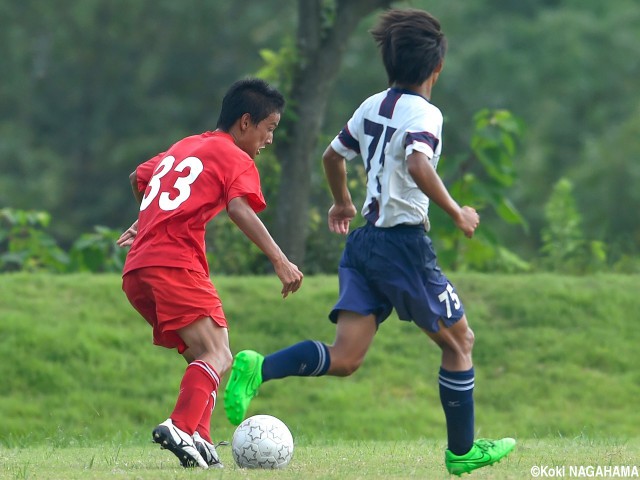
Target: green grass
column 556, row 360
column 340, row 460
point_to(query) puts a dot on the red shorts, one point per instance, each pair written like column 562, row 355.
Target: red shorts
column 170, row 299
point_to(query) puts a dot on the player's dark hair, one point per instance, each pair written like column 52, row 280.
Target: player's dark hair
column 250, row 95
column 411, row 43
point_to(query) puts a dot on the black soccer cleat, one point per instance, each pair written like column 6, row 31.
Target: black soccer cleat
column 179, row 443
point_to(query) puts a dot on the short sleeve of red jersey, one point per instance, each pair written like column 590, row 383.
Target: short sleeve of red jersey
column 144, row 172
column 247, row 184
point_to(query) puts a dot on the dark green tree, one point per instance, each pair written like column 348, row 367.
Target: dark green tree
column 91, row 88
column 323, row 31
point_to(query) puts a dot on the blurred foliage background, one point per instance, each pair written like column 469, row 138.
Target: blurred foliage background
column 91, row 88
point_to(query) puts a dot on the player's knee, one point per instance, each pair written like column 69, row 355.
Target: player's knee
column 463, row 343
column 468, row 341
column 459, row 344
column 220, row 359
column 345, row 370
column 226, row 359
column 344, row 367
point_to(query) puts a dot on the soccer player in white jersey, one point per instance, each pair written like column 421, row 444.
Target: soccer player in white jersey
column 390, row 263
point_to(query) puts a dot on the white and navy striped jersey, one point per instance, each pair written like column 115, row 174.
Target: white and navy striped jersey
column 384, row 130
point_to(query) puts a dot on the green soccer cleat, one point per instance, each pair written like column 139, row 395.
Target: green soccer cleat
column 483, row 452
column 246, row 378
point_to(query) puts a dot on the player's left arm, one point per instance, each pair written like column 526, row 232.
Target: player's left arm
column 241, row 213
column 424, row 174
column 343, row 210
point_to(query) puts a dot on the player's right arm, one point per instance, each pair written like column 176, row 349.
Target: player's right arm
column 241, row 213
column 126, row 239
column 343, row 210
column 425, row 175
column 138, row 186
column 138, row 194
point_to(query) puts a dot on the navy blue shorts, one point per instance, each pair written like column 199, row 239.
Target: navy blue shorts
column 386, row 268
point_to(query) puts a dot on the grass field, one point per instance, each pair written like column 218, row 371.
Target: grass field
column 417, row 459
column 556, row 368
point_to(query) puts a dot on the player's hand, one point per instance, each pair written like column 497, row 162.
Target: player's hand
column 290, row 276
column 340, row 217
column 468, row 221
column 126, row 239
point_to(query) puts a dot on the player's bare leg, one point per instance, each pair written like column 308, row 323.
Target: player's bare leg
column 209, row 342
column 456, row 343
column 354, row 335
column 456, row 381
column 209, row 357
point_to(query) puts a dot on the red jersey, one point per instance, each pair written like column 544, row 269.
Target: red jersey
column 185, row 187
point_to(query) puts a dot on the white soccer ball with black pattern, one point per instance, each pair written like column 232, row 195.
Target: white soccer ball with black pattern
column 262, row 441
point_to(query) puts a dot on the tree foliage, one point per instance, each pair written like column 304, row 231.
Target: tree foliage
column 482, row 178
column 91, row 88
column 565, row 248
column 27, row 245
column 568, row 69
column 324, row 28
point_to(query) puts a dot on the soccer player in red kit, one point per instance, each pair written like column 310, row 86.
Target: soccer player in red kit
column 166, row 275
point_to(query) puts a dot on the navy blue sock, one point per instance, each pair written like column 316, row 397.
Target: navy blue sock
column 456, row 395
column 305, row 359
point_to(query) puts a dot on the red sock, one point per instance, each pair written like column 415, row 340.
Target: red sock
column 199, row 381
column 204, row 426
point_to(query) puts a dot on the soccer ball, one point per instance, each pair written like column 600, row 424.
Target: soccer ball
column 262, row 441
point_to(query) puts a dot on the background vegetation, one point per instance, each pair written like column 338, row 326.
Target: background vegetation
column 93, row 87
column 556, row 357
